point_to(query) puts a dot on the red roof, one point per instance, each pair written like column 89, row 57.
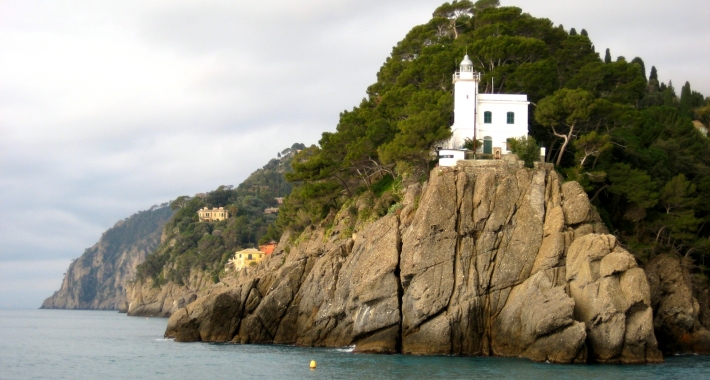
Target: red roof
column 267, row 248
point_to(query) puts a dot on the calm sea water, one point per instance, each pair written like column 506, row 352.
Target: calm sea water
column 58, row 344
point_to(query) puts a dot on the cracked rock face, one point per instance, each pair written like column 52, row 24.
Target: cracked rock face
column 675, row 310
column 493, row 261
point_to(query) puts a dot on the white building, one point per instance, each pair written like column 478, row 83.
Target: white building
column 449, row 157
column 491, row 118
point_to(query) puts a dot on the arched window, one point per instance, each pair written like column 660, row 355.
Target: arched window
column 487, row 145
column 487, row 117
column 511, row 117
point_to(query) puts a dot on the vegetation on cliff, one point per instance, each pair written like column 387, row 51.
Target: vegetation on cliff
column 190, row 244
column 627, row 138
column 97, row 279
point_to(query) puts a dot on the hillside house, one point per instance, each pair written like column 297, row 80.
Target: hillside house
column 271, row 210
column 212, row 215
column 247, row 257
column 490, row 118
column 268, row 248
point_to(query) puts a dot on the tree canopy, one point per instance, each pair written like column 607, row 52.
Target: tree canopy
column 627, row 138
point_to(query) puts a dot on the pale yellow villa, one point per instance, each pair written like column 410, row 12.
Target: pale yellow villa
column 212, row 215
column 247, row 257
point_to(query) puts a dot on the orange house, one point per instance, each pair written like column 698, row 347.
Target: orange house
column 268, row 248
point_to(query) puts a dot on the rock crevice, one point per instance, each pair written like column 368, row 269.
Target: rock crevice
column 492, row 261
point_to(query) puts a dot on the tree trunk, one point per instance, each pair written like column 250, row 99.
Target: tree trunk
column 564, row 144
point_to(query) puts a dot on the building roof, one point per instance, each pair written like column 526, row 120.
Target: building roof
column 466, row 61
column 268, row 248
column 250, row 250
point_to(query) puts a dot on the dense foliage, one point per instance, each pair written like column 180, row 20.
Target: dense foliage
column 628, row 138
column 193, row 245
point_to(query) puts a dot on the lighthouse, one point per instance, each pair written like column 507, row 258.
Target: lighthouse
column 465, row 99
column 490, row 118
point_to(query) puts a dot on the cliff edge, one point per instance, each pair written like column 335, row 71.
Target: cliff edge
column 488, row 260
column 97, row 280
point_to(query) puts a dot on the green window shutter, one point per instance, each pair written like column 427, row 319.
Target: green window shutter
column 487, row 117
column 511, row 117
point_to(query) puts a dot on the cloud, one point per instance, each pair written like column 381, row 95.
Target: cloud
column 109, row 107
column 26, row 283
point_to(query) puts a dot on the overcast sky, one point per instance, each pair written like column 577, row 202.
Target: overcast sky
column 109, row 107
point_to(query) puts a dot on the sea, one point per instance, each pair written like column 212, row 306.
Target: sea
column 64, row 344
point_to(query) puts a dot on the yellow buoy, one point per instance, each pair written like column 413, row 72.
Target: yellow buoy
column 313, row 364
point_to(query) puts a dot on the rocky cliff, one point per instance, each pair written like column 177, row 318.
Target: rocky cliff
column 486, row 259
column 147, row 300
column 98, row 278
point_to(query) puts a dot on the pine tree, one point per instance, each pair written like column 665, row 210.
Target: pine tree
column 639, row 61
column 607, row 56
column 669, row 96
column 654, row 73
column 584, row 33
column 686, row 99
column 573, row 32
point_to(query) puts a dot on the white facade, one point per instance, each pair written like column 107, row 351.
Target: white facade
column 449, row 157
column 491, row 118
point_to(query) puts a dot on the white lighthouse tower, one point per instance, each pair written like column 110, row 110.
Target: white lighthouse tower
column 490, row 118
column 465, row 99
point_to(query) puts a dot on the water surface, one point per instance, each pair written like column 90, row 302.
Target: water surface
column 62, row 344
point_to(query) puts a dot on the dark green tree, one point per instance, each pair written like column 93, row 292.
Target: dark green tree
column 526, row 148
column 591, row 145
column 607, row 56
column 686, row 99
column 179, row 202
column 639, row 62
column 457, row 12
column 636, row 185
column 485, row 4
column 564, row 113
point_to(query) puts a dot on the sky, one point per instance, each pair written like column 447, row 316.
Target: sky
column 110, row 107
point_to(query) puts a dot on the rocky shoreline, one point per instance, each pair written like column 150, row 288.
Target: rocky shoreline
column 486, row 260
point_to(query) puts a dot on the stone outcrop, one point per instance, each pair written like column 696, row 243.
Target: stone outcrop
column 147, row 300
column 485, row 259
column 613, row 299
column 97, row 280
column 676, row 311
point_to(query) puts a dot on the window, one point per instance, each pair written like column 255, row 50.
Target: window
column 487, row 117
column 511, row 117
column 249, row 258
column 240, row 255
column 487, row 145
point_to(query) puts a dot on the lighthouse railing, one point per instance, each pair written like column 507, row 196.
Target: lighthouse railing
column 475, row 75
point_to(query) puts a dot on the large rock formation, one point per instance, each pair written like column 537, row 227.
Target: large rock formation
column 495, row 260
column 145, row 299
column 97, row 280
column 677, row 322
